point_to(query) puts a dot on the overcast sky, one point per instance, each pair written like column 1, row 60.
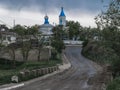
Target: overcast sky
column 30, row 12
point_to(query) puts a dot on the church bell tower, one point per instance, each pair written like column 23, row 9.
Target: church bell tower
column 62, row 18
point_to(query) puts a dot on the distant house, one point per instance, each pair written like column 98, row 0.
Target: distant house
column 6, row 37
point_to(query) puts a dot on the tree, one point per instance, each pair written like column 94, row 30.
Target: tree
column 111, row 17
column 74, row 29
column 24, row 39
column 11, row 49
column 57, row 41
column 109, row 23
column 33, row 30
column 20, row 30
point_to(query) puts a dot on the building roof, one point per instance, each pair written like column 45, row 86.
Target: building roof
column 46, row 23
column 62, row 12
column 46, row 20
column 46, row 26
column 46, row 29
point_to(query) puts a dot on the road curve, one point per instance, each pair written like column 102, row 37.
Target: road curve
column 75, row 78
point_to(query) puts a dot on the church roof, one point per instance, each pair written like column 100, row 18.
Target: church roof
column 62, row 12
column 46, row 20
column 46, row 23
column 46, row 26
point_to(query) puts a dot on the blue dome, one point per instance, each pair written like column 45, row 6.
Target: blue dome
column 62, row 12
column 46, row 20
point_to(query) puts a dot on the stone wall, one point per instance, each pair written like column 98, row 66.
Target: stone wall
column 33, row 54
column 29, row 74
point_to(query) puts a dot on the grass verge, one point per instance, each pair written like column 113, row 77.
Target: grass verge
column 7, row 71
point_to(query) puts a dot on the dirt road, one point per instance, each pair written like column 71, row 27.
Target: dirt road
column 75, row 78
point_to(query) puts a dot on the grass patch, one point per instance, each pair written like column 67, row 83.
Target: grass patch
column 7, row 71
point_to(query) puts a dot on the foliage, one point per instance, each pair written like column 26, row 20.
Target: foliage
column 5, row 79
column 20, row 30
column 53, row 54
column 25, row 34
column 33, row 29
column 8, row 64
column 99, row 52
column 25, row 30
column 85, row 43
column 58, row 45
column 74, row 29
column 115, row 85
column 6, row 70
column 57, row 41
column 109, row 23
column 88, row 33
column 107, row 49
column 116, row 67
column 111, row 17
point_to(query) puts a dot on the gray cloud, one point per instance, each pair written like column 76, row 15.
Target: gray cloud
column 48, row 5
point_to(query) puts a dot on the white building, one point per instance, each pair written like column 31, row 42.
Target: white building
column 46, row 28
column 8, row 38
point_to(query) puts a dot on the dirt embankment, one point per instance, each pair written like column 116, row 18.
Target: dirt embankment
column 98, row 53
column 101, row 79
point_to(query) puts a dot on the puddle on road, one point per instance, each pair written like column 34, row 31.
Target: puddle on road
column 85, row 85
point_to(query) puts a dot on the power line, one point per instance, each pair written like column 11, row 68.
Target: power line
column 5, row 24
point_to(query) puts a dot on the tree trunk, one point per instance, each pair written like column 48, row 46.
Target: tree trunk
column 39, row 52
column 14, row 62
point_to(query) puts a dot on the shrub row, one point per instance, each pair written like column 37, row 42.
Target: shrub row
column 8, row 64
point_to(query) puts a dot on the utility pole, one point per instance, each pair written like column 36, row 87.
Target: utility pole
column 14, row 23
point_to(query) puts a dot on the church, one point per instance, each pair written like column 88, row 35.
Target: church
column 46, row 28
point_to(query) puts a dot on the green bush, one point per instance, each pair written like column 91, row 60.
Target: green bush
column 103, row 53
column 54, row 54
column 114, row 85
column 85, row 43
column 5, row 79
column 8, row 64
column 99, row 53
column 27, row 78
column 7, row 70
column 116, row 67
